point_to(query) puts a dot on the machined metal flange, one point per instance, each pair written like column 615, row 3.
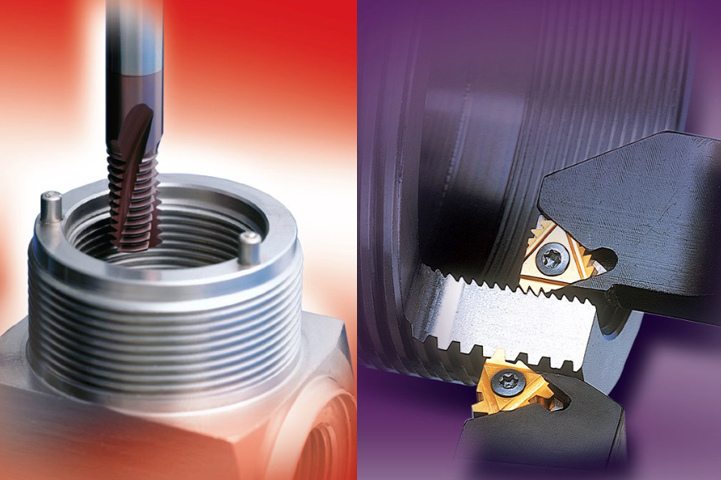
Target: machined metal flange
column 184, row 325
column 196, row 350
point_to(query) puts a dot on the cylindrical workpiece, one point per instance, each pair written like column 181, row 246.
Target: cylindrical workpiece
column 183, row 326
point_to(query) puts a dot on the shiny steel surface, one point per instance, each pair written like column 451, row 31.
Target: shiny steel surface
column 451, row 311
column 51, row 207
column 135, row 37
column 181, row 326
column 461, row 115
column 179, row 362
column 549, row 334
column 249, row 249
column 47, row 434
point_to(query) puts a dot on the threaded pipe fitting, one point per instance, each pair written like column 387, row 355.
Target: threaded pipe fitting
column 183, row 326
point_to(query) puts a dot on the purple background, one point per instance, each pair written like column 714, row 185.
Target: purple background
column 408, row 427
column 671, row 388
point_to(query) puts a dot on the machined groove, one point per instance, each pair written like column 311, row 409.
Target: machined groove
column 454, row 141
column 260, row 339
column 141, row 227
column 270, row 323
column 206, row 339
column 190, row 239
column 167, row 364
column 223, row 374
column 161, row 325
column 101, row 344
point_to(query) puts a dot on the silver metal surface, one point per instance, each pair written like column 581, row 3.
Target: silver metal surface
column 49, row 435
column 51, row 207
column 555, row 335
column 182, row 326
column 491, row 317
column 178, row 362
column 249, row 249
column 135, row 36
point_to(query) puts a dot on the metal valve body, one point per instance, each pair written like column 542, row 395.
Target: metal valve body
column 190, row 360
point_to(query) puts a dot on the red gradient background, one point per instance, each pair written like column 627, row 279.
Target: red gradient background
column 263, row 93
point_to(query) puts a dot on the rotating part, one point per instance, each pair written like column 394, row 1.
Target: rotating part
column 460, row 117
column 199, row 344
column 134, row 120
column 134, row 187
column 176, row 360
column 466, row 322
column 523, row 89
column 493, row 318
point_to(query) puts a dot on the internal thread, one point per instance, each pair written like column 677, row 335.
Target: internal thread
column 141, row 229
column 191, row 238
column 213, row 339
column 316, row 460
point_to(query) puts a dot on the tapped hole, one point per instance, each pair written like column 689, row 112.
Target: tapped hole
column 316, row 460
column 195, row 232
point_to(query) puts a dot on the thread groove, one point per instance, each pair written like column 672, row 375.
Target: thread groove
column 141, row 228
column 95, row 345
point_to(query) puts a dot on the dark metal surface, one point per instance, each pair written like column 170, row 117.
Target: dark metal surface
column 134, row 66
column 134, row 80
column 588, row 433
column 552, row 259
column 656, row 205
column 520, row 89
column 461, row 112
column 134, row 186
column 508, row 383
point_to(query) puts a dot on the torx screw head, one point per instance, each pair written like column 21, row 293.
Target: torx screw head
column 552, row 259
column 249, row 249
column 508, row 383
column 51, row 207
column 508, row 380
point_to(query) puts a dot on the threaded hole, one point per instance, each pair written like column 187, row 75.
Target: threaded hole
column 316, row 460
column 188, row 240
column 199, row 228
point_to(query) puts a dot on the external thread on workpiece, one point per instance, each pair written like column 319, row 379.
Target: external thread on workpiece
column 180, row 327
